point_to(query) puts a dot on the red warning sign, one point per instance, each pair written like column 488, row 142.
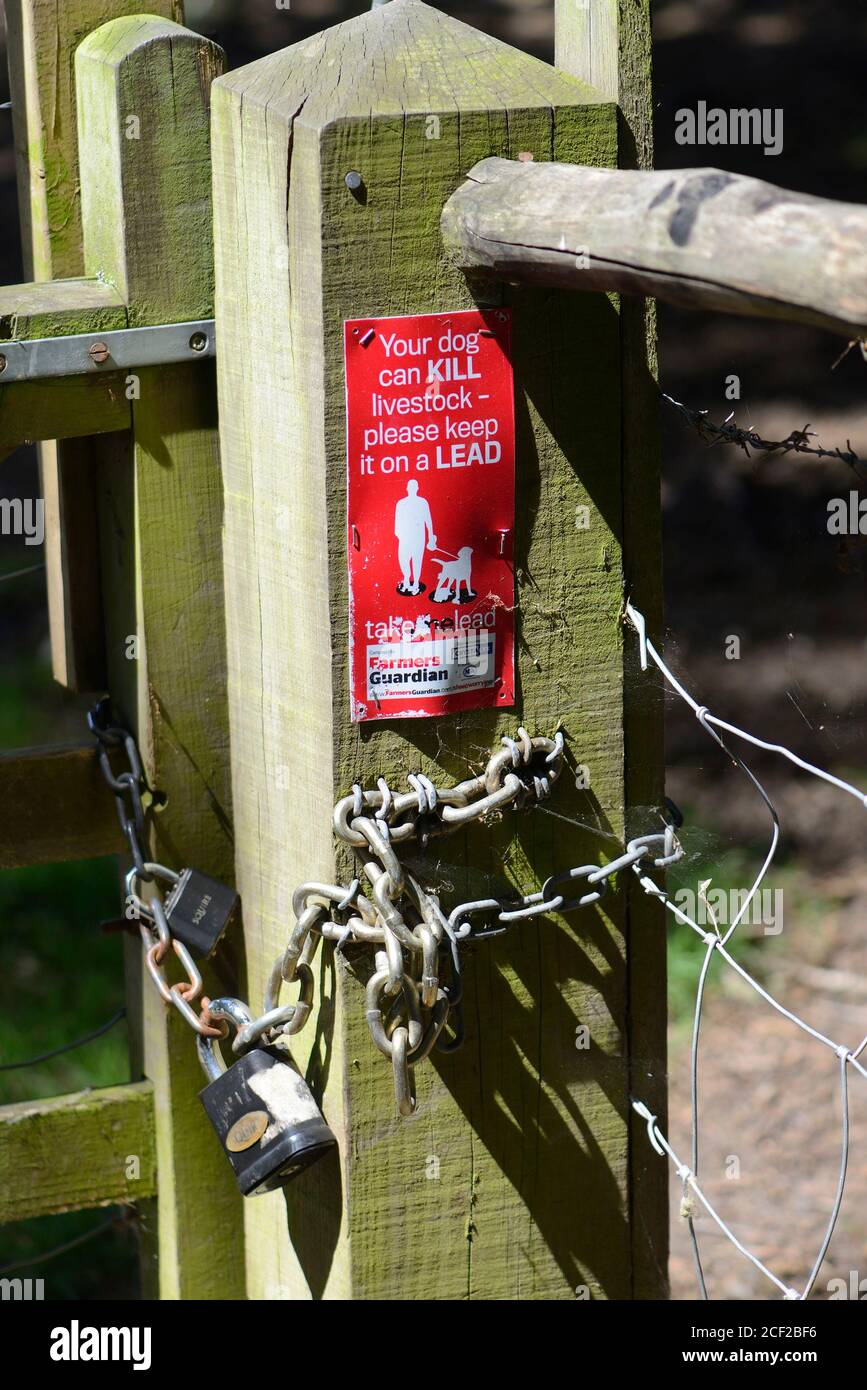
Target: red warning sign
column 431, row 513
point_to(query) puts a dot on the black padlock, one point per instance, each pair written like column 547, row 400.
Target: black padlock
column 265, row 1116
column 199, row 909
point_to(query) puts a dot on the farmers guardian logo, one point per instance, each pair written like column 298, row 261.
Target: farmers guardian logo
column 77, row 1343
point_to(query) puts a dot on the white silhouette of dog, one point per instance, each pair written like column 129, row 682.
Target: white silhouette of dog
column 455, row 575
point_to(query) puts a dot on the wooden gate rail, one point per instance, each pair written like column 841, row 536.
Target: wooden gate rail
column 91, row 1149
column 65, row 408
column 697, row 237
column 54, row 807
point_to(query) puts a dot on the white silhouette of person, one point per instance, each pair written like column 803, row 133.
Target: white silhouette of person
column 413, row 527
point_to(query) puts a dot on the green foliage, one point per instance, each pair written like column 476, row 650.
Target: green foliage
column 733, row 871
column 60, row 977
column 97, row 1267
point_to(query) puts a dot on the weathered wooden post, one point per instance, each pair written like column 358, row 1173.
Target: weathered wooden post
column 42, row 40
column 332, row 163
column 143, row 88
column 609, row 45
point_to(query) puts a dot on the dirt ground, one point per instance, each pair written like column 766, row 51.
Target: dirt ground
column 770, row 1099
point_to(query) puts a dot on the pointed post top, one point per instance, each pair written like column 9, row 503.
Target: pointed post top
column 401, row 57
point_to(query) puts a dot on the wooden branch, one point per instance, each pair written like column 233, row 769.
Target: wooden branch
column 697, row 237
column 54, row 806
column 91, row 1149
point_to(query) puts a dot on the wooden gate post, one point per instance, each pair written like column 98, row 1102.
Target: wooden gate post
column 42, row 40
column 143, row 105
column 609, row 44
column 513, row 1178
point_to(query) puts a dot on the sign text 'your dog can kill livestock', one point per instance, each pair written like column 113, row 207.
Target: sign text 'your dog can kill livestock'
column 431, row 513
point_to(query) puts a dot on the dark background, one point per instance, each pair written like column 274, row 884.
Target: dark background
column 747, row 553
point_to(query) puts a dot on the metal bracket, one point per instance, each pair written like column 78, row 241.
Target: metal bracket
column 117, row 349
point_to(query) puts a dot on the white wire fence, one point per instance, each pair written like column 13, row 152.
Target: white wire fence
column 716, row 944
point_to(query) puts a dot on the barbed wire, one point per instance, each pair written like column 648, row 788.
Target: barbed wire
column 797, row 441
column 716, row 943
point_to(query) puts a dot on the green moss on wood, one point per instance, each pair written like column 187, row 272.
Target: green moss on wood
column 89, row 1150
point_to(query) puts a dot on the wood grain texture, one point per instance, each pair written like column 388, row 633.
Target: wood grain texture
column 54, row 308
column 42, row 37
column 701, row 238
column 75, row 1151
column 146, row 212
column 62, row 408
column 53, row 807
column 532, row 1197
column 616, row 53
column 587, row 42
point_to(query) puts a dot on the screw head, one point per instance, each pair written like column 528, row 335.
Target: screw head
column 3, row 363
column 98, row 352
column 353, row 180
column 198, row 342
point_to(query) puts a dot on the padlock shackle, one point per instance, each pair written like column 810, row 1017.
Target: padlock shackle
column 154, row 870
column 152, row 912
column 236, row 1012
column 210, row 1057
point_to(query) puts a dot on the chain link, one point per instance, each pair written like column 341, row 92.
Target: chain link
column 130, row 789
column 408, row 1001
column 129, row 786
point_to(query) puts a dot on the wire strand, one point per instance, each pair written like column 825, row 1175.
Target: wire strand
column 59, row 1249
column 67, row 1047
column 716, row 944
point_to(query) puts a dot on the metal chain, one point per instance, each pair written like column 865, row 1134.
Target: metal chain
column 548, row 899
column 408, row 999
column 129, row 785
column 130, row 790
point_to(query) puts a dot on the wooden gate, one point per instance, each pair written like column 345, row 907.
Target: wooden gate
column 523, row 1173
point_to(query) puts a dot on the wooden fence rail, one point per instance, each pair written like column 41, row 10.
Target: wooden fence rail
column 697, row 237
column 42, row 41
column 91, row 1149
